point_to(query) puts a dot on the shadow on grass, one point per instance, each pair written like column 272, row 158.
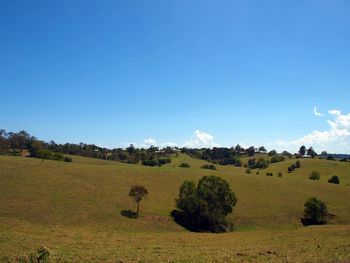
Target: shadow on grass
column 129, row 214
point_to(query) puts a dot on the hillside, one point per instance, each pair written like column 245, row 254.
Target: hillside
column 74, row 209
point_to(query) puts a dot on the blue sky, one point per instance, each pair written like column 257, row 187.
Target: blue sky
column 198, row 73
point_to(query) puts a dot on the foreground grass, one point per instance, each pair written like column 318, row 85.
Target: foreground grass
column 74, row 209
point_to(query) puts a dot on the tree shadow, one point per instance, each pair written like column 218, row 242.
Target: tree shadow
column 129, row 213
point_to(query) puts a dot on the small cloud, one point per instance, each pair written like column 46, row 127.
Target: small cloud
column 334, row 112
column 201, row 139
column 319, row 114
column 336, row 138
column 150, row 142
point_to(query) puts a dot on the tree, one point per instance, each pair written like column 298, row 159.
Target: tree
column 311, row 152
column 315, row 211
column 19, row 140
column 297, row 164
column 138, row 192
column 314, row 176
column 272, row 153
column 302, row 150
column 205, row 207
column 262, row 149
column 334, row 180
column 251, row 151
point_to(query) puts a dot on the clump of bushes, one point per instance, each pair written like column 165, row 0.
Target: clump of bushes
column 184, row 165
column 269, row 174
column 204, row 207
column 314, row 176
column 277, row 158
column 280, row 174
column 260, row 164
column 248, row 171
column 315, row 212
column 294, row 166
column 209, row 166
column 334, row 180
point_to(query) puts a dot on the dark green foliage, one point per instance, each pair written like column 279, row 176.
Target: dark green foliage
column 290, row 169
column 250, row 151
column 314, row 176
column 330, row 157
column 209, row 166
column 315, row 212
column 205, row 207
column 217, row 155
column 302, row 150
column 163, row 160
column 277, row 158
column 280, row 174
column 261, row 164
column 137, row 193
column 248, row 171
column 311, row 152
column 42, row 255
column 272, row 153
column 269, row 174
column 68, row 159
column 297, row 164
column 184, row 165
column 334, row 180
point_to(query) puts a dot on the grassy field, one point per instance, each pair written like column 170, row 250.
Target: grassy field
column 75, row 210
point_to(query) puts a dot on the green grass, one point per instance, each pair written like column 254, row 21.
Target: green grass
column 74, row 209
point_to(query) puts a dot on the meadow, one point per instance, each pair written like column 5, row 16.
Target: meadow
column 74, row 209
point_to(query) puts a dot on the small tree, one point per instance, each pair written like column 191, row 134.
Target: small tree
column 297, row 164
column 184, row 165
column 314, row 176
column 334, row 180
column 280, row 174
column 138, row 192
column 315, row 211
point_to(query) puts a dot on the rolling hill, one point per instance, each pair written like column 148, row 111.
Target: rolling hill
column 75, row 210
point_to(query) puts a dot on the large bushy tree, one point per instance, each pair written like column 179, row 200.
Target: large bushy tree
column 315, row 211
column 205, row 207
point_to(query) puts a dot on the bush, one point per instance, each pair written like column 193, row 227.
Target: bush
column 42, row 255
column 261, row 164
column 290, row 169
column 277, row 158
column 269, row 174
column 315, row 212
column 297, row 164
column 280, row 174
column 184, row 165
column 162, row 161
column 68, row 159
column 334, row 180
column 205, row 207
column 314, row 176
column 272, row 153
column 248, row 171
column 209, row 167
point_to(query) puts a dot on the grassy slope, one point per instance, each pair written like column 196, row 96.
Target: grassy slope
column 74, row 208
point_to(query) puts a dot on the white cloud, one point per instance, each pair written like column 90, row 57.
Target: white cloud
column 150, row 142
column 336, row 138
column 201, row 139
column 319, row 114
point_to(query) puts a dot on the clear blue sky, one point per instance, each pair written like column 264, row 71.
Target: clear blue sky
column 115, row 72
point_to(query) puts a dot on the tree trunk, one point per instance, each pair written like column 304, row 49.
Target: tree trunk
column 138, row 207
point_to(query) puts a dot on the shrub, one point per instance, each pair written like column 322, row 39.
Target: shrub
column 68, row 159
column 248, row 171
column 184, row 165
column 290, row 169
column 40, row 256
column 162, row 161
column 314, row 176
column 277, row 158
column 205, row 207
column 315, row 212
column 209, row 167
column 280, row 174
column 297, row 164
column 334, row 180
column 272, row 153
column 269, row 174
column 261, row 164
